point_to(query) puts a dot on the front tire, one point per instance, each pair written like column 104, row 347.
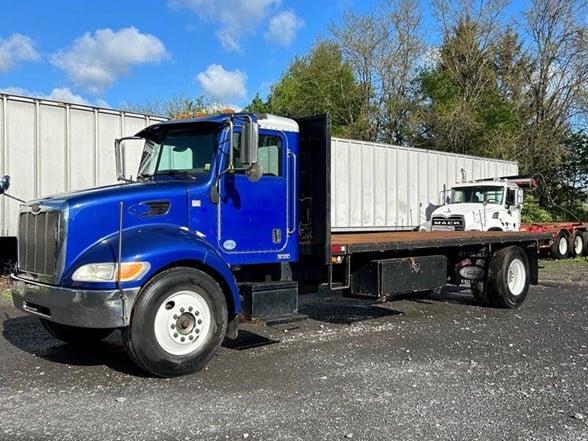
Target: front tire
column 560, row 249
column 73, row 334
column 178, row 323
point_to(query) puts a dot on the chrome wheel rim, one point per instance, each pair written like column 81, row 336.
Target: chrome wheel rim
column 562, row 246
column 578, row 245
column 183, row 323
column 516, row 277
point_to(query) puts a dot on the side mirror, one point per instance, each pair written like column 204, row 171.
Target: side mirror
column 520, row 198
column 120, row 156
column 250, row 140
column 4, row 184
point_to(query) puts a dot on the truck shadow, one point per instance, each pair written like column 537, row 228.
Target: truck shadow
column 343, row 311
column 248, row 340
column 452, row 295
column 27, row 334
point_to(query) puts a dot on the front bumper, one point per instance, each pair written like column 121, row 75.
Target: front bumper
column 74, row 307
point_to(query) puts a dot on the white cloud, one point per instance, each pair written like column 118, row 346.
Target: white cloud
column 283, row 27
column 16, row 48
column 62, row 94
column 235, row 18
column 221, row 84
column 95, row 61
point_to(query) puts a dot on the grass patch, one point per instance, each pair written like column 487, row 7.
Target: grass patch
column 576, row 261
column 5, row 288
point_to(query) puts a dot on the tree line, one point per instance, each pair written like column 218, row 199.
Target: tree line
column 510, row 89
column 514, row 90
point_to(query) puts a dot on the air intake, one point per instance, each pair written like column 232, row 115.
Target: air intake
column 157, row 208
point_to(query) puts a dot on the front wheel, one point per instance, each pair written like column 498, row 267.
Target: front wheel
column 73, row 334
column 177, row 324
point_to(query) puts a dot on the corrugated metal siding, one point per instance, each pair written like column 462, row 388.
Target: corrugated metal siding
column 49, row 147
column 384, row 187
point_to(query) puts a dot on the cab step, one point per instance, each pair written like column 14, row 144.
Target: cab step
column 269, row 301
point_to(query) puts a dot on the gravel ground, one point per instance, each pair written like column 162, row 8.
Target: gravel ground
column 440, row 368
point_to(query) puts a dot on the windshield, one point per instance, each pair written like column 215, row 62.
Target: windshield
column 187, row 151
column 493, row 195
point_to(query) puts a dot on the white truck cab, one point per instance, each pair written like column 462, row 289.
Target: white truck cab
column 490, row 205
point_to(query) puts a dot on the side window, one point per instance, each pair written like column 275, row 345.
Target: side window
column 510, row 198
column 269, row 155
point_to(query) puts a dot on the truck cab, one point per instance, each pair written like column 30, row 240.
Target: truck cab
column 493, row 205
column 213, row 202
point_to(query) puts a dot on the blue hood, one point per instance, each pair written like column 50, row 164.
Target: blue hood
column 93, row 215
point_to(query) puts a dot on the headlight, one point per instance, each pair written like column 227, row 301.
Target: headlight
column 108, row 272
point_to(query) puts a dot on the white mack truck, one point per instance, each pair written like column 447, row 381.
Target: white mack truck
column 483, row 205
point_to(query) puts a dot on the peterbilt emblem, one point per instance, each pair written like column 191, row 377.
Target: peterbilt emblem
column 472, row 272
column 35, row 208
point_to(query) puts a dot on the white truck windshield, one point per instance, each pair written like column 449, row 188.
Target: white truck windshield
column 491, row 194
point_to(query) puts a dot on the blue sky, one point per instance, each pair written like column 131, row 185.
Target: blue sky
column 110, row 52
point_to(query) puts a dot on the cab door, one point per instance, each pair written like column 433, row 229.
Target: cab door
column 253, row 216
column 513, row 210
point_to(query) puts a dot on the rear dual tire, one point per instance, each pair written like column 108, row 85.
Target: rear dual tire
column 507, row 282
column 178, row 323
column 578, row 243
column 560, row 248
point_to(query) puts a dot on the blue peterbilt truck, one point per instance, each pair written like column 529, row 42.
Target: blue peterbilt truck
column 228, row 219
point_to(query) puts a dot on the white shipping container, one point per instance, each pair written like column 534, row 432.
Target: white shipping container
column 50, row 147
column 387, row 187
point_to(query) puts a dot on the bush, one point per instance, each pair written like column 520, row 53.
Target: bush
column 533, row 212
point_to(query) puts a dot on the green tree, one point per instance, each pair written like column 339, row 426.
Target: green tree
column 557, row 38
column 320, row 82
column 572, row 189
column 472, row 97
column 179, row 106
column 258, row 105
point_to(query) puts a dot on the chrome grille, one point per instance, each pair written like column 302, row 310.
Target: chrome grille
column 454, row 222
column 39, row 242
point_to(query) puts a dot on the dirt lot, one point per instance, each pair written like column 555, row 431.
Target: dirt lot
column 441, row 368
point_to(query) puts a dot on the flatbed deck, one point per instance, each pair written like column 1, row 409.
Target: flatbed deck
column 411, row 240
